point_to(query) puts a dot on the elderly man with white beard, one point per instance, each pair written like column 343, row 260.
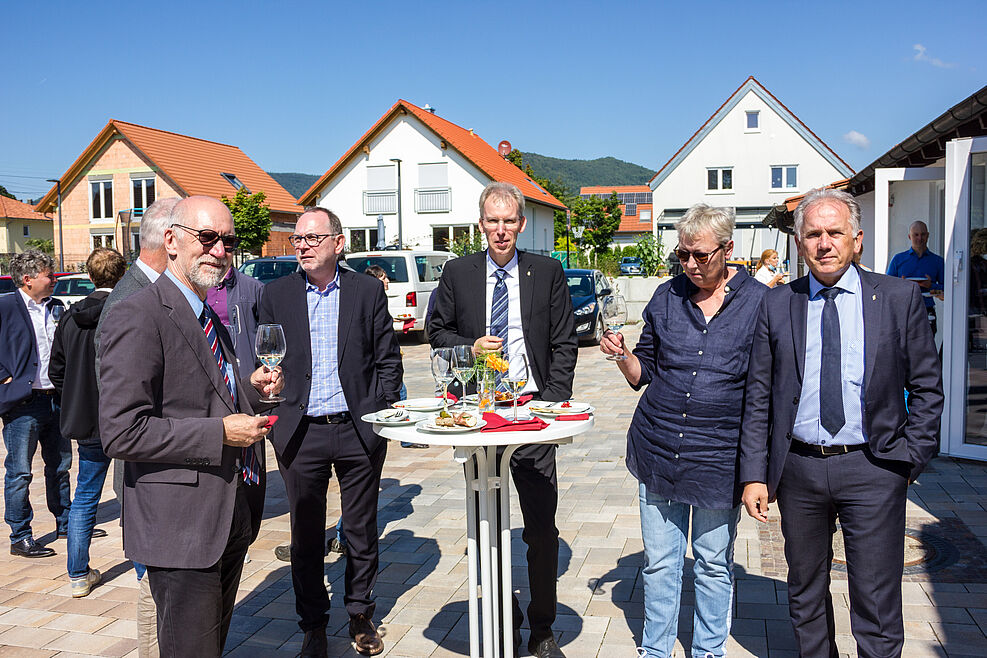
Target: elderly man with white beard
column 174, row 407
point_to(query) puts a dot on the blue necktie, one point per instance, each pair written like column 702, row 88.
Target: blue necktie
column 250, row 469
column 498, row 313
column 830, row 371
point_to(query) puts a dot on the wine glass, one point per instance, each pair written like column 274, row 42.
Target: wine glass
column 517, row 377
column 463, row 363
column 615, row 316
column 442, row 360
column 56, row 311
column 271, row 347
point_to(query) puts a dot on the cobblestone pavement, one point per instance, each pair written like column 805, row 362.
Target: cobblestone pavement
column 421, row 589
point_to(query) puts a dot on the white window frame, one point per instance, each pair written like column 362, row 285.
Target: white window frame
column 102, row 200
column 719, row 181
column 142, row 177
column 641, row 212
column 757, row 114
column 784, row 189
column 101, row 234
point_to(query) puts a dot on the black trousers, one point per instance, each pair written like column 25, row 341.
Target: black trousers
column 315, row 451
column 535, row 480
column 195, row 606
column 867, row 496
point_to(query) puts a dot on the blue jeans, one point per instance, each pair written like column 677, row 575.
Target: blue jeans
column 665, row 530
column 32, row 422
column 93, row 464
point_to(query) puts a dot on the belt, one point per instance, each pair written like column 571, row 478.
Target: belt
column 330, row 419
column 43, row 391
column 824, row 451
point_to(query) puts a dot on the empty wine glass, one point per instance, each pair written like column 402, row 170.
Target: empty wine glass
column 56, row 311
column 271, row 347
column 442, row 360
column 463, row 363
column 517, row 377
column 615, row 316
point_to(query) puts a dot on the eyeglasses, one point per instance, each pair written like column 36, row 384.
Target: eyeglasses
column 311, row 239
column 510, row 222
column 701, row 257
column 208, row 237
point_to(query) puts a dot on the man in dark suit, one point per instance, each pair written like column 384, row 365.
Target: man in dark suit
column 28, row 402
column 342, row 361
column 507, row 299
column 173, row 407
column 826, row 430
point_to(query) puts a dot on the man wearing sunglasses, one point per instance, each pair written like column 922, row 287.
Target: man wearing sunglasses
column 342, row 362
column 174, row 407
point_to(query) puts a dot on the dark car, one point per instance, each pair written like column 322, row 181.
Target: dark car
column 630, row 266
column 6, row 285
column 588, row 289
column 270, row 268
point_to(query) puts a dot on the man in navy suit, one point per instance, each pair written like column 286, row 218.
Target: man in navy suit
column 28, row 402
column 826, row 431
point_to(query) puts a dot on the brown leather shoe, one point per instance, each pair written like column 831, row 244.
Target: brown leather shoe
column 365, row 636
column 315, row 644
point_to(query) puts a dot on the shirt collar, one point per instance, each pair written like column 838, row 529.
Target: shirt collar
column 189, row 294
column 151, row 274
column 849, row 282
column 227, row 281
column 333, row 285
column 30, row 302
column 510, row 268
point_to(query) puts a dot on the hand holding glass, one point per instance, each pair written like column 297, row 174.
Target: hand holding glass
column 57, row 311
column 442, row 360
column 517, row 377
column 615, row 316
column 271, row 347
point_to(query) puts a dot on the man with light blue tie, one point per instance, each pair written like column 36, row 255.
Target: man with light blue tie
column 826, row 430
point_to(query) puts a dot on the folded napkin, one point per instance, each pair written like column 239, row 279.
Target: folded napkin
column 450, row 396
column 573, row 417
column 497, row 423
column 524, row 399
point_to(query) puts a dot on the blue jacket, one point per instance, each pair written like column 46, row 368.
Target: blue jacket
column 18, row 350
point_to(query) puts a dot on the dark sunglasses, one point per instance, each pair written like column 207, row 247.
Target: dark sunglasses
column 701, row 258
column 209, row 237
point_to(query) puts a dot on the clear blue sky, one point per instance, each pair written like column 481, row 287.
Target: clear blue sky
column 294, row 84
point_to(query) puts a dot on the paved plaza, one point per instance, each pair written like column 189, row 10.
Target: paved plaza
column 421, row 589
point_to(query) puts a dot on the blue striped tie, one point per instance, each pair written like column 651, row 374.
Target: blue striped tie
column 498, row 312
column 250, row 470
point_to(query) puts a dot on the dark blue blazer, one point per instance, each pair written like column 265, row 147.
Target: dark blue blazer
column 899, row 354
column 18, row 350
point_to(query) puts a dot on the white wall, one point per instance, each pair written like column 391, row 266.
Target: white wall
column 410, row 140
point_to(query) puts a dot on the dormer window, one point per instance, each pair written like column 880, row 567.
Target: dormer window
column 753, row 121
column 234, row 181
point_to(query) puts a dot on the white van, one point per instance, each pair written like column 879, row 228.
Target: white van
column 413, row 276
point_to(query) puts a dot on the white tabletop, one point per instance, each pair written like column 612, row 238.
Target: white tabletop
column 556, row 431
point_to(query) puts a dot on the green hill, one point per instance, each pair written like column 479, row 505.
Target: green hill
column 296, row 184
column 579, row 173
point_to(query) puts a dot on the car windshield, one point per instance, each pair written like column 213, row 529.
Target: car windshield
column 395, row 267
column 266, row 271
column 73, row 287
column 580, row 285
column 630, row 259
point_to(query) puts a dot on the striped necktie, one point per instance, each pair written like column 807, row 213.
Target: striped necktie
column 498, row 313
column 248, row 458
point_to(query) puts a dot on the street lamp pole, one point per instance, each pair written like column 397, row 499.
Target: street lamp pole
column 400, row 232
column 568, row 224
column 61, row 243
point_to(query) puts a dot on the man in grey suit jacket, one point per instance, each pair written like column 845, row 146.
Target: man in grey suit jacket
column 174, row 408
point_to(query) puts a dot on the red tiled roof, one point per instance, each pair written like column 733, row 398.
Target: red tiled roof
column 466, row 142
column 792, row 202
column 193, row 165
column 14, row 209
column 765, row 90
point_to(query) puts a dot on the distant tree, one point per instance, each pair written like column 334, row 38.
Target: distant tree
column 467, row 244
column 649, row 250
column 600, row 217
column 47, row 246
column 251, row 218
column 4, row 192
column 515, row 158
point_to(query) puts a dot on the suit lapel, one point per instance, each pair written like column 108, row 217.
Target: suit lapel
column 799, row 308
column 527, row 284
column 872, row 304
column 479, row 283
column 26, row 318
column 347, row 300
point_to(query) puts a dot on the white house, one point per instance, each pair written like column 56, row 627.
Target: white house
column 750, row 155
column 423, row 175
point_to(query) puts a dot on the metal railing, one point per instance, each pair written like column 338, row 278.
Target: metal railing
column 380, row 202
column 433, row 199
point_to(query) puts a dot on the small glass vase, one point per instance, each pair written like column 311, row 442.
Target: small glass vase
column 486, row 388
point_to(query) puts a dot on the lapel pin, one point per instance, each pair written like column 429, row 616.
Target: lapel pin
column 529, row 272
column 874, row 297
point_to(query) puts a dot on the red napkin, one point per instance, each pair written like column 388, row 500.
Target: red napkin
column 450, row 396
column 409, row 324
column 573, row 417
column 497, row 423
column 524, row 399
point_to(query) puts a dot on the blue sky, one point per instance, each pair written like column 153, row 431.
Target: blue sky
column 294, row 84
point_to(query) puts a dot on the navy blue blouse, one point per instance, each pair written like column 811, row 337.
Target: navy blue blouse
column 682, row 442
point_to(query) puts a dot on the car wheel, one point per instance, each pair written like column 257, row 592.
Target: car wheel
column 598, row 331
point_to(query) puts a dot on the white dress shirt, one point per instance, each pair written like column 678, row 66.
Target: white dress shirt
column 148, row 271
column 514, row 345
column 44, row 333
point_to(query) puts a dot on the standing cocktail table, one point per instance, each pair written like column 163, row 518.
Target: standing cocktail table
column 491, row 473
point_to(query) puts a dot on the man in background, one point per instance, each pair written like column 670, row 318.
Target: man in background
column 920, row 265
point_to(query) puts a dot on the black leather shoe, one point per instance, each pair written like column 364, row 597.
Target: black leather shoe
column 97, row 533
column 29, row 548
column 547, row 648
column 365, row 636
column 315, row 645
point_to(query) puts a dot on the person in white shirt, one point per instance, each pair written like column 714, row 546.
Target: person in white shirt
column 29, row 405
column 768, row 269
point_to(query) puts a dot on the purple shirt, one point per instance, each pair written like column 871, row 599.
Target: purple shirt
column 216, row 298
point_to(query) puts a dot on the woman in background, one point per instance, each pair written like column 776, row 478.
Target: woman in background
column 767, row 271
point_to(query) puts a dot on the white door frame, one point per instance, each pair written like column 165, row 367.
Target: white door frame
column 958, row 154
column 882, row 191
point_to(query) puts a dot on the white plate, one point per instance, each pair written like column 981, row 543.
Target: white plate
column 553, row 408
column 428, row 426
column 408, row 419
column 473, row 399
column 419, row 404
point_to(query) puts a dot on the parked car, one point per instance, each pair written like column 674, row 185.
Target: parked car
column 269, row 268
column 631, row 265
column 588, row 289
column 413, row 276
column 70, row 288
column 6, row 285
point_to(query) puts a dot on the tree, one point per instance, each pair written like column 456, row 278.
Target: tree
column 4, row 192
column 251, row 218
column 47, row 246
column 600, row 217
column 649, row 250
column 556, row 188
column 467, row 244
